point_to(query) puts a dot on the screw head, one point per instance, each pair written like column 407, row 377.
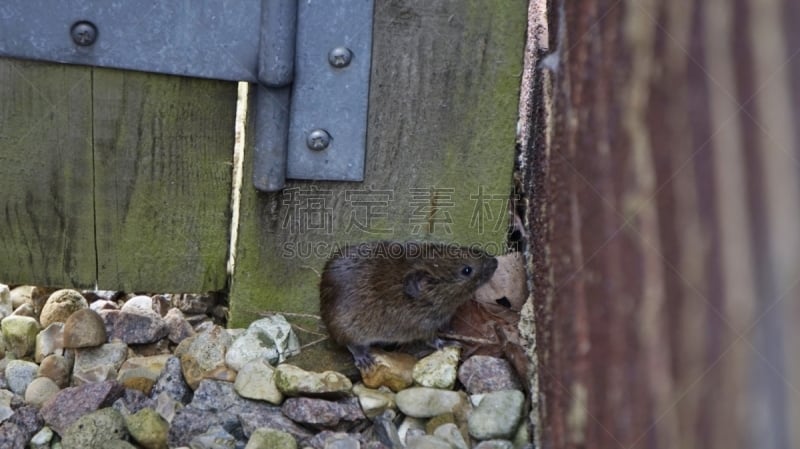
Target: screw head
column 340, row 57
column 83, row 33
column 318, row 140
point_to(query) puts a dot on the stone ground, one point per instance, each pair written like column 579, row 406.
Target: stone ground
column 98, row 369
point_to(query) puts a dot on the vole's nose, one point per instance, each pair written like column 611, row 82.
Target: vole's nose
column 489, row 268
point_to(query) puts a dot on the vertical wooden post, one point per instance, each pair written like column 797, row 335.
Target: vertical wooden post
column 661, row 171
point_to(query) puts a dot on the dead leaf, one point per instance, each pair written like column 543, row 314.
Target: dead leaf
column 508, row 286
column 488, row 324
column 487, row 329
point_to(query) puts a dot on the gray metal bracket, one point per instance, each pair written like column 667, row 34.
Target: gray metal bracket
column 310, row 60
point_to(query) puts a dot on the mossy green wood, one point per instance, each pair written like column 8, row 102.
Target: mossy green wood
column 163, row 161
column 146, row 156
column 46, row 206
column 442, row 114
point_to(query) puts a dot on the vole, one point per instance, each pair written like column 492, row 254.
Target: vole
column 392, row 292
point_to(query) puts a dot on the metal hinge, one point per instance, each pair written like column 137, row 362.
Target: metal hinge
column 310, row 59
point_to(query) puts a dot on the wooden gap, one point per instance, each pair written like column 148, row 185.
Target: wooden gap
column 236, row 178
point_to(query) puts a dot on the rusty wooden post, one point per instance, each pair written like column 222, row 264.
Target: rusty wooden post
column 661, row 166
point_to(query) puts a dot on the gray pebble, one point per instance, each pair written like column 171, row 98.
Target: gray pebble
column 6, row 399
column 426, row 442
column 484, row 374
column 271, row 418
column 495, row 444
column 12, row 436
column 321, row 413
column 424, row 402
column 6, row 304
column 19, row 374
column 189, row 423
column 322, row 439
column 42, row 439
column 271, row 439
column 342, row 442
column 269, row 339
column 24, row 310
column 215, row 395
column 132, row 401
column 49, row 341
column 28, row 419
column 69, row 404
column 94, row 429
column 386, row 430
column 134, row 327
column 193, row 303
column 497, row 415
column 378, row 445
column 178, row 328
column 19, row 334
column 450, row 433
column 100, row 363
column 215, row 438
column 216, row 402
column 19, row 296
column 171, row 382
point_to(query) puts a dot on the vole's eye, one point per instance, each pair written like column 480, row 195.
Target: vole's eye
column 467, row 270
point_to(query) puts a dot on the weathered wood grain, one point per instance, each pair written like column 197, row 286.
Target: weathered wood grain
column 46, row 206
column 163, row 154
column 441, row 141
column 111, row 178
column 661, row 168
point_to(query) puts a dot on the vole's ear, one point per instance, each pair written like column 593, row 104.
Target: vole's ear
column 415, row 282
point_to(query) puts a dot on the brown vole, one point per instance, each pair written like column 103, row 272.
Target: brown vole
column 391, row 292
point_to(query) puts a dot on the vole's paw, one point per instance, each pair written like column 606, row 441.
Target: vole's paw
column 361, row 356
column 439, row 344
column 364, row 362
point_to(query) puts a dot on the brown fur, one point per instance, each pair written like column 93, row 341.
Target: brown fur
column 391, row 292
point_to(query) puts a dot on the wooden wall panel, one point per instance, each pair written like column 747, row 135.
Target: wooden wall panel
column 444, row 90
column 46, row 178
column 115, row 179
column 163, row 162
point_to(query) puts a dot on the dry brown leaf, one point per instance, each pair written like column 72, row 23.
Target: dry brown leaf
column 488, row 325
column 508, row 286
column 489, row 329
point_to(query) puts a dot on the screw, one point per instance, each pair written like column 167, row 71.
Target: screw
column 83, row 33
column 318, row 140
column 340, row 57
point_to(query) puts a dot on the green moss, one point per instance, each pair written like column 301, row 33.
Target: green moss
column 45, row 174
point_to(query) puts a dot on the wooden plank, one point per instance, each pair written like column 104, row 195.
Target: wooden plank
column 46, row 205
column 443, row 105
column 163, row 153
